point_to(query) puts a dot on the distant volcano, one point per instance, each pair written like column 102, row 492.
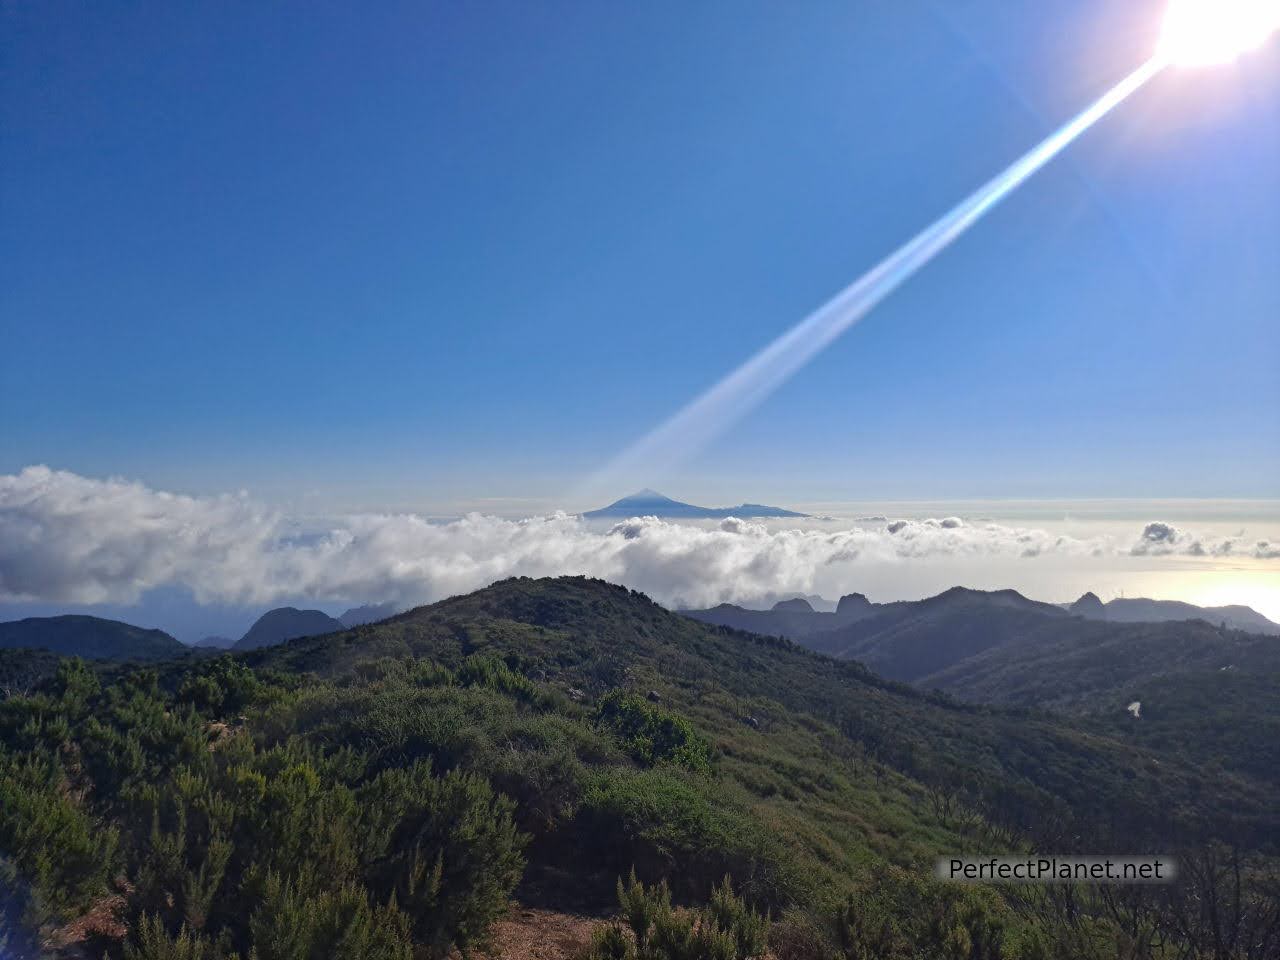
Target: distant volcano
column 650, row 503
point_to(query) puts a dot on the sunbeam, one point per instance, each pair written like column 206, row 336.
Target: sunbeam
column 746, row 387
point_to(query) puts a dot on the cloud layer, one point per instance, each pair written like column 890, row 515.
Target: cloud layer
column 71, row 539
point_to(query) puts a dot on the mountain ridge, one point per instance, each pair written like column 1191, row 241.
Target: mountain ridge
column 94, row 638
column 1145, row 610
column 368, row 613
column 287, row 623
column 594, row 636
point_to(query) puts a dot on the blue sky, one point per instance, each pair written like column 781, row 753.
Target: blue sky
column 411, row 255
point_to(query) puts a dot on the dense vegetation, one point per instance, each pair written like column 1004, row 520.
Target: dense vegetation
column 1080, row 665
column 384, row 792
column 21, row 670
column 1208, row 695
column 1225, row 721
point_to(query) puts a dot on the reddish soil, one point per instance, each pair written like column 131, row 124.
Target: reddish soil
column 529, row 933
column 103, row 921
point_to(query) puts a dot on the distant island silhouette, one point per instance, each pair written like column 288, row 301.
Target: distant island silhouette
column 650, row 503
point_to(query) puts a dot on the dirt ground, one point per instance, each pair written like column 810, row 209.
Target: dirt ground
column 529, row 933
column 526, row 933
column 103, row 920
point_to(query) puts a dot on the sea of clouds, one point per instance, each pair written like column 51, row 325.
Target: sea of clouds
column 67, row 538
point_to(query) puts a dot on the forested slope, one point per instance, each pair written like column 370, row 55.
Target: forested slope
column 390, row 788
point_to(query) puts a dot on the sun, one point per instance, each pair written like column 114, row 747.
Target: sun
column 1201, row 32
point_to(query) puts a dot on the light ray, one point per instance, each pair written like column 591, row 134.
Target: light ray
column 741, row 391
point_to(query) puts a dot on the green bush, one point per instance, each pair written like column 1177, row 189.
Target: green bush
column 611, row 943
column 51, row 841
column 150, row 940
column 650, row 734
column 302, row 818
column 725, row 929
column 479, row 670
column 727, row 912
column 446, row 848
column 292, row 925
column 75, row 684
column 276, row 836
column 220, row 687
column 900, row 916
column 665, row 822
column 182, row 864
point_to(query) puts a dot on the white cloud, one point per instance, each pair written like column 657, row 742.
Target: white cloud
column 1159, row 538
column 74, row 539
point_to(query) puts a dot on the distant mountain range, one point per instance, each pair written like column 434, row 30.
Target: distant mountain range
column 650, row 503
column 903, row 640
column 75, row 635
column 912, row 639
column 1141, row 610
column 287, row 623
column 969, row 642
column 795, row 618
column 214, row 643
column 1001, row 647
column 369, row 613
column 97, row 638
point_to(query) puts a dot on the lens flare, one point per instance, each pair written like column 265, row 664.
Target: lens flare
column 1202, row 32
column 746, row 387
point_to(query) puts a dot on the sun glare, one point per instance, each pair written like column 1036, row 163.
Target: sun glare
column 1201, row 32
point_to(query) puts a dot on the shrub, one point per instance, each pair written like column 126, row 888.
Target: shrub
column 445, row 847
column 611, row 943
column 479, row 670
column 730, row 914
column 428, row 673
column 303, row 820
column 650, row 734
column 292, row 925
column 184, row 861
column 725, row 929
column 900, row 917
column 221, row 686
column 799, row 936
column 75, row 685
column 216, row 840
column 666, row 823
column 151, row 941
column 64, row 855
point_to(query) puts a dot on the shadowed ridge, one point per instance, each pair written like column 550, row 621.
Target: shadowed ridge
column 286, row 623
column 77, row 635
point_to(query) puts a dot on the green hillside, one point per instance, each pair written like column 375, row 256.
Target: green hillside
column 1221, row 720
column 1081, row 664
column 391, row 786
